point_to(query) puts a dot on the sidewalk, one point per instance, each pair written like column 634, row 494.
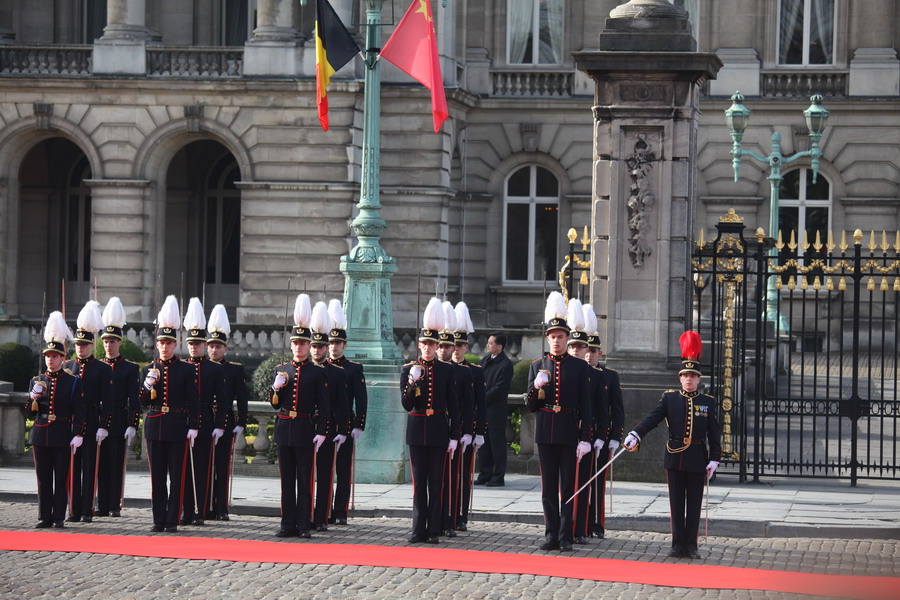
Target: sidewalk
column 775, row 508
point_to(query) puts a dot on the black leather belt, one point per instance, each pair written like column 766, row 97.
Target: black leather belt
column 427, row 413
column 556, row 408
column 686, row 441
column 292, row 414
column 168, row 409
column 51, row 418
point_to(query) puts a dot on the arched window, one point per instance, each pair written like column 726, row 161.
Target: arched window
column 530, row 225
column 806, row 32
column 804, row 206
column 535, row 31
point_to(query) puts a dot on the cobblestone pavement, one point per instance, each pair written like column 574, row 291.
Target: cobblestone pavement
column 40, row 575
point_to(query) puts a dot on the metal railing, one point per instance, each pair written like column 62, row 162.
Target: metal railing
column 45, row 59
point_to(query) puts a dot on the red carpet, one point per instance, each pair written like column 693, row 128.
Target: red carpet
column 470, row 561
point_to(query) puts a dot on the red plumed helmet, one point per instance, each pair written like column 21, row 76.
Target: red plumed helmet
column 691, row 345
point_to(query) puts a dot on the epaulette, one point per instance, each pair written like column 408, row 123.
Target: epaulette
column 336, row 366
column 410, row 363
column 670, row 391
column 353, row 362
column 235, row 363
column 69, row 371
column 314, row 364
column 537, row 360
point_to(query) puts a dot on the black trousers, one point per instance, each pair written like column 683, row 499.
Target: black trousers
column 222, row 458
column 83, row 472
column 685, row 501
column 429, row 468
column 466, row 484
column 584, row 507
column 200, row 474
column 343, row 474
column 51, row 464
column 324, row 481
column 295, row 464
column 492, row 455
column 597, row 514
column 167, row 469
column 557, row 485
column 110, row 480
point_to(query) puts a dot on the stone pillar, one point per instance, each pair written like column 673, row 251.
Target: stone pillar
column 647, row 77
column 274, row 49
column 7, row 35
column 122, row 50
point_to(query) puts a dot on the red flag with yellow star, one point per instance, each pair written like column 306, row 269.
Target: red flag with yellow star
column 413, row 49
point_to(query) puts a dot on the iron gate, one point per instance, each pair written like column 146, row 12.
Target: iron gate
column 801, row 346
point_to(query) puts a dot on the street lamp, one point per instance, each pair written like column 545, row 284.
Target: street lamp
column 737, row 117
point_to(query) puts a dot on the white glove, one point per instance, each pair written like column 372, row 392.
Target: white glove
column 280, row 380
column 356, row 433
column 318, row 441
column 415, row 373
column 541, row 379
column 614, row 445
column 582, row 449
column 216, row 434
column 631, row 442
column 238, row 430
column 76, row 442
column 479, row 441
column 191, row 436
column 37, row 390
column 465, row 441
column 338, row 440
column 451, row 448
column 711, row 468
column 130, row 433
column 102, row 434
column 598, row 446
column 150, row 380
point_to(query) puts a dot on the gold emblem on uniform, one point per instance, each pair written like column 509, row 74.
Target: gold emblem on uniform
column 429, row 412
column 556, row 408
column 164, row 409
column 293, row 414
column 51, row 418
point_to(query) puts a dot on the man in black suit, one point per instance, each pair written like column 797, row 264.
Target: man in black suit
column 498, row 372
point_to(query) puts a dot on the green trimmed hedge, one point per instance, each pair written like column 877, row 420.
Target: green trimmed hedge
column 18, row 365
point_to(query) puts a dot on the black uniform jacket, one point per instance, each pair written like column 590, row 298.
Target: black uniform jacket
column 434, row 417
column 60, row 413
column 97, row 387
column 616, row 405
column 357, row 395
column 693, row 423
column 465, row 393
column 564, row 413
column 303, row 404
column 600, row 406
column 480, row 402
column 176, row 407
column 498, row 372
column 125, row 408
column 235, row 390
column 340, row 421
column 210, row 377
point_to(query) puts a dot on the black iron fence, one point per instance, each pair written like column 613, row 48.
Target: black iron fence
column 802, row 350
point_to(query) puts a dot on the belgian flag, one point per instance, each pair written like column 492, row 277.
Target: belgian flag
column 334, row 49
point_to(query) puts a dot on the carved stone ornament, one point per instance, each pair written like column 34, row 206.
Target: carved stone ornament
column 640, row 202
column 42, row 112
column 193, row 113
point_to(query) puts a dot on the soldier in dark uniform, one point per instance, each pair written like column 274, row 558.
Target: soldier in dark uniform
column 96, row 384
column 57, row 407
column 358, row 401
column 210, row 378
column 339, row 420
column 123, row 417
column 559, row 391
column 461, row 346
column 169, row 392
column 235, row 393
column 301, row 398
column 693, row 449
column 429, row 394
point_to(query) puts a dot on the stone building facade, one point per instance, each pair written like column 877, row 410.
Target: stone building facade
column 146, row 143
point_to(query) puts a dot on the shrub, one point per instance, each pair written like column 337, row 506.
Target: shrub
column 129, row 351
column 520, row 377
column 475, row 360
column 261, row 381
column 18, row 365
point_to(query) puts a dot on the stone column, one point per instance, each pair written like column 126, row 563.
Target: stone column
column 647, row 77
column 274, row 49
column 122, row 50
column 7, row 35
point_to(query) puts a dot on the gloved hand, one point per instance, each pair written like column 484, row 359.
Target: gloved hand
column 582, row 449
column 451, row 448
column 356, row 433
column 216, row 434
column 598, row 446
column 191, row 436
column 415, row 373
column 37, row 390
column 150, row 379
column 631, row 442
column 614, row 445
column 541, row 379
column 318, row 441
column 76, row 442
column 711, row 468
column 479, row 441
column 238, row 430
column 465, row 441
column 280, row 380
column 102, row 434
column 338, row 440
column 130, row 434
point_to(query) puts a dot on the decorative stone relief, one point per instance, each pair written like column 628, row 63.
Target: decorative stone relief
column 529, row 136
column 640, row 201
column 193, row 113
column 42, row 112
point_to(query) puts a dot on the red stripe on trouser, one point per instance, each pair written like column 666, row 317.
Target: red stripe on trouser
column 183, row 473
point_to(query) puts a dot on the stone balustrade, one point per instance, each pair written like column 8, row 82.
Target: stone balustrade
column 804, row 83
column 195, row 62
column 45, row 59
column 530, row 82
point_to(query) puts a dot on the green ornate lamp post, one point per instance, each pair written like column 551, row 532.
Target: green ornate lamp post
column 737, row 117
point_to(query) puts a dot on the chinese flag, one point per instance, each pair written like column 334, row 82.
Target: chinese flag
column 334, row 49
column 413, row 49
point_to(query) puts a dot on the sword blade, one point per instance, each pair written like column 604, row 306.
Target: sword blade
column 603, row 468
